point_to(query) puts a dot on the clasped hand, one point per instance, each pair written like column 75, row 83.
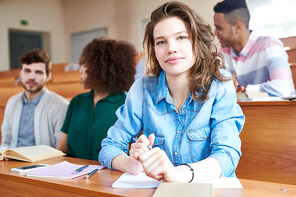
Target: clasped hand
column 154, row 162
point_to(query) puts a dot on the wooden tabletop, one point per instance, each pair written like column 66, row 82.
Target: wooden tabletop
column 14, row 184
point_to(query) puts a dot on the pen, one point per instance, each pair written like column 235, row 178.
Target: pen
column 79, row 169
column 91, row 173
column 135, row 139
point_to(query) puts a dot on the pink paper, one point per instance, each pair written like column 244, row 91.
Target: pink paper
column 63, row 170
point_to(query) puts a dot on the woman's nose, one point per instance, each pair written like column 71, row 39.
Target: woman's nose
column 172, row 48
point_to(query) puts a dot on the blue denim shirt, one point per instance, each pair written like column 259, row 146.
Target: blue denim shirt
column 198, row 131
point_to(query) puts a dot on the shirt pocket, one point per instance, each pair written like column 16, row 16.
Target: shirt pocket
column 159, row 138
column 199, row 142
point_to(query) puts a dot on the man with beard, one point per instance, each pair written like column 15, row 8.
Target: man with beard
column 34, row 116
column 259, row 62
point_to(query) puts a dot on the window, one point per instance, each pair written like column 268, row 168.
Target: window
column 276, row 18
column 81, row 39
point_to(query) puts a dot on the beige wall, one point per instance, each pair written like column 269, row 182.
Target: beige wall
column 121, row 17
column 61, row 18
column 42, row 16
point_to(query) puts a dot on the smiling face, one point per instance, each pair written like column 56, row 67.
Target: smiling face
column 224, row 31
column 173, row 46
column 33, row 77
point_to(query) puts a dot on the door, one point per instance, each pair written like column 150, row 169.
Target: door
column 22, row 42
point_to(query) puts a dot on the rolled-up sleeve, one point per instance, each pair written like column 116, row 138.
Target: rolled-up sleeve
column 227, row 121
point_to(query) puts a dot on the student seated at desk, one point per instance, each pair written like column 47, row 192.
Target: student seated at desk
column 108, row 69
column 36, row 115
column 186, row 107
column 259, row 62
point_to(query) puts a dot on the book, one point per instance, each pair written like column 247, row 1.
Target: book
column 30, row 153
column 64, row 170
column 251, row 96
column 184, row 189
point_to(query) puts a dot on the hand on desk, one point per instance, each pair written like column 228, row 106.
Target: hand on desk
column 239, row 89
column 156, row 163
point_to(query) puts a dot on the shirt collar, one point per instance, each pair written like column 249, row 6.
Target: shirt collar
column 248, row 46
column 113, row 98
column 35, row 101
column 163, row 90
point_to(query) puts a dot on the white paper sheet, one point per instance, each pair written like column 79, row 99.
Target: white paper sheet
column 142, row 181
column 127, row 180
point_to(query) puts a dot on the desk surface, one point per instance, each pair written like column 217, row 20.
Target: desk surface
column 13, row 184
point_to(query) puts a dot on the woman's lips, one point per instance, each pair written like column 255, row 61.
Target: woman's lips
column 173, row 60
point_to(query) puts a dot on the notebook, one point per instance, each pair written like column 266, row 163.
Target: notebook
column 184, row 189
column 63, row 170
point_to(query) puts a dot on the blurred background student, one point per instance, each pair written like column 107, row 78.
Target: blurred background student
column 108, row 69
column 35, row 115
column 260, row 63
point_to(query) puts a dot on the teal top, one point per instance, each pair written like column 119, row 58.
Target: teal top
column 87, row 126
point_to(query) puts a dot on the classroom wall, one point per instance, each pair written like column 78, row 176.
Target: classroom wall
column 61, row 18
column 121, row 17
column 43, row 16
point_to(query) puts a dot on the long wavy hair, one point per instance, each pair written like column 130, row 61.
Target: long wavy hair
column 110, row 65
column 208, row 60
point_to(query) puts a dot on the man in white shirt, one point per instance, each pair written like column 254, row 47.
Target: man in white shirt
column 35, row 115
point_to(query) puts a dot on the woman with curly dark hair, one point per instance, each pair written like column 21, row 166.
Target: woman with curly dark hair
column 186, row 106
column 108, row 69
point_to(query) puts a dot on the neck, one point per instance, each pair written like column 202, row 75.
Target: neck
column 242, row 41
column 33, row 95
column 98, row 96
column 179, row 90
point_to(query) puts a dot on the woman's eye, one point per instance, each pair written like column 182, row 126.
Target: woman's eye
column 160, row 42
column 182, row 37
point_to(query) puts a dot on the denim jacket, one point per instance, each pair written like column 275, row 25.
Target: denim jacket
column 198, row 131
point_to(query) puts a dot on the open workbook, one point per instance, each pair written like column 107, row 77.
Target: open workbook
column 30, row 153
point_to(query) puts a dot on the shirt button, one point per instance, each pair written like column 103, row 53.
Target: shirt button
column 183, row 112
column 205, row 136
column 176, row 153
column 178, row 131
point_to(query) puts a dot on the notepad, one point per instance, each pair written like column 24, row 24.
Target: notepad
column 127, row 180
column 166, row 189
column 63, row 170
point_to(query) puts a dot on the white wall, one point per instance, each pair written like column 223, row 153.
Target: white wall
column 42, row 16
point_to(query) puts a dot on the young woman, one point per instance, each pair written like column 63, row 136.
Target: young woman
column 108, row 69
column 186, row 106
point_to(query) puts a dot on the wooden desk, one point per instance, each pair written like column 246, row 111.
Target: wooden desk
column 269, row 142
column 13, row 184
